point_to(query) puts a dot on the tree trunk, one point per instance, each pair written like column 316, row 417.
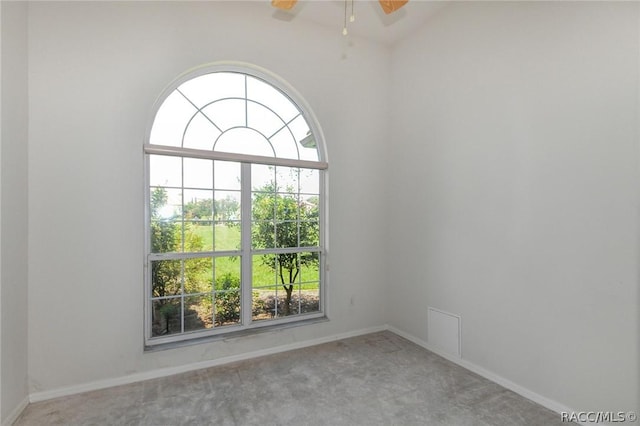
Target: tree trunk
column 287, row 302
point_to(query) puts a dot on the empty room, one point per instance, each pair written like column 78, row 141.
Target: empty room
column 319, row 212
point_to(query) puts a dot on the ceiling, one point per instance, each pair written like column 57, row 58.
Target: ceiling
column 371, row 22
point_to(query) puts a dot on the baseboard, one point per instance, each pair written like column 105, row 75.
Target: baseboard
column 533, row 396
column 13, row 416
column 170, row 371
column 164, row 372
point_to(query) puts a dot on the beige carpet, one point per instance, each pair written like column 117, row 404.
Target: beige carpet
column 376, row 379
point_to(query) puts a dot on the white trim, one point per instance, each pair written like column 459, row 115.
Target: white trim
column 253, row 70
column 13, row 416
column 230, row 156
column 321, row 165
column 246, row 257
column 169, row 371
column 520, row 390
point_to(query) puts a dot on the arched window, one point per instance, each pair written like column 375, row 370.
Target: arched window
column 235, row 206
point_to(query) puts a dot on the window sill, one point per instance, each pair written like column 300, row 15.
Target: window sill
column 233, row 335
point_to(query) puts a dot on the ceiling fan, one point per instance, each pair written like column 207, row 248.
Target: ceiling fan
column 389, row 6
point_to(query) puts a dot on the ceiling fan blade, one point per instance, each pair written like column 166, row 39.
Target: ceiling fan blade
column 284, row 4
column 390, row 6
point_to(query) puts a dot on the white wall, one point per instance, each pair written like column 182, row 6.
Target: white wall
column 13, row 224
column 515, row 170
column 1, row 126
column 95, row 70
column 510, row 183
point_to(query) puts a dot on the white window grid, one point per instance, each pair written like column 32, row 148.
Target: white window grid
column 246, row 253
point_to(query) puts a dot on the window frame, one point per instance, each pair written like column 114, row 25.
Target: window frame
column 246, row 251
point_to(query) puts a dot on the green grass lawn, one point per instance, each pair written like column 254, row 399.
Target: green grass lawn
column 228, row 238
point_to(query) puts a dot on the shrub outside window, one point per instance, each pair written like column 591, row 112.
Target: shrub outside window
column 234, row 206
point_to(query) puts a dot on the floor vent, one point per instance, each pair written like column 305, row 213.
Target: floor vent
column 443, row 332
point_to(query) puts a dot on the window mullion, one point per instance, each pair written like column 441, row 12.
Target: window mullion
column 245, row 238
column 231, row 156
column 186, row 261
column 182, row 238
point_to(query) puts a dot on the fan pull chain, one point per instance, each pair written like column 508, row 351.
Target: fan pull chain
column 352, row 18
column 344, row 27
